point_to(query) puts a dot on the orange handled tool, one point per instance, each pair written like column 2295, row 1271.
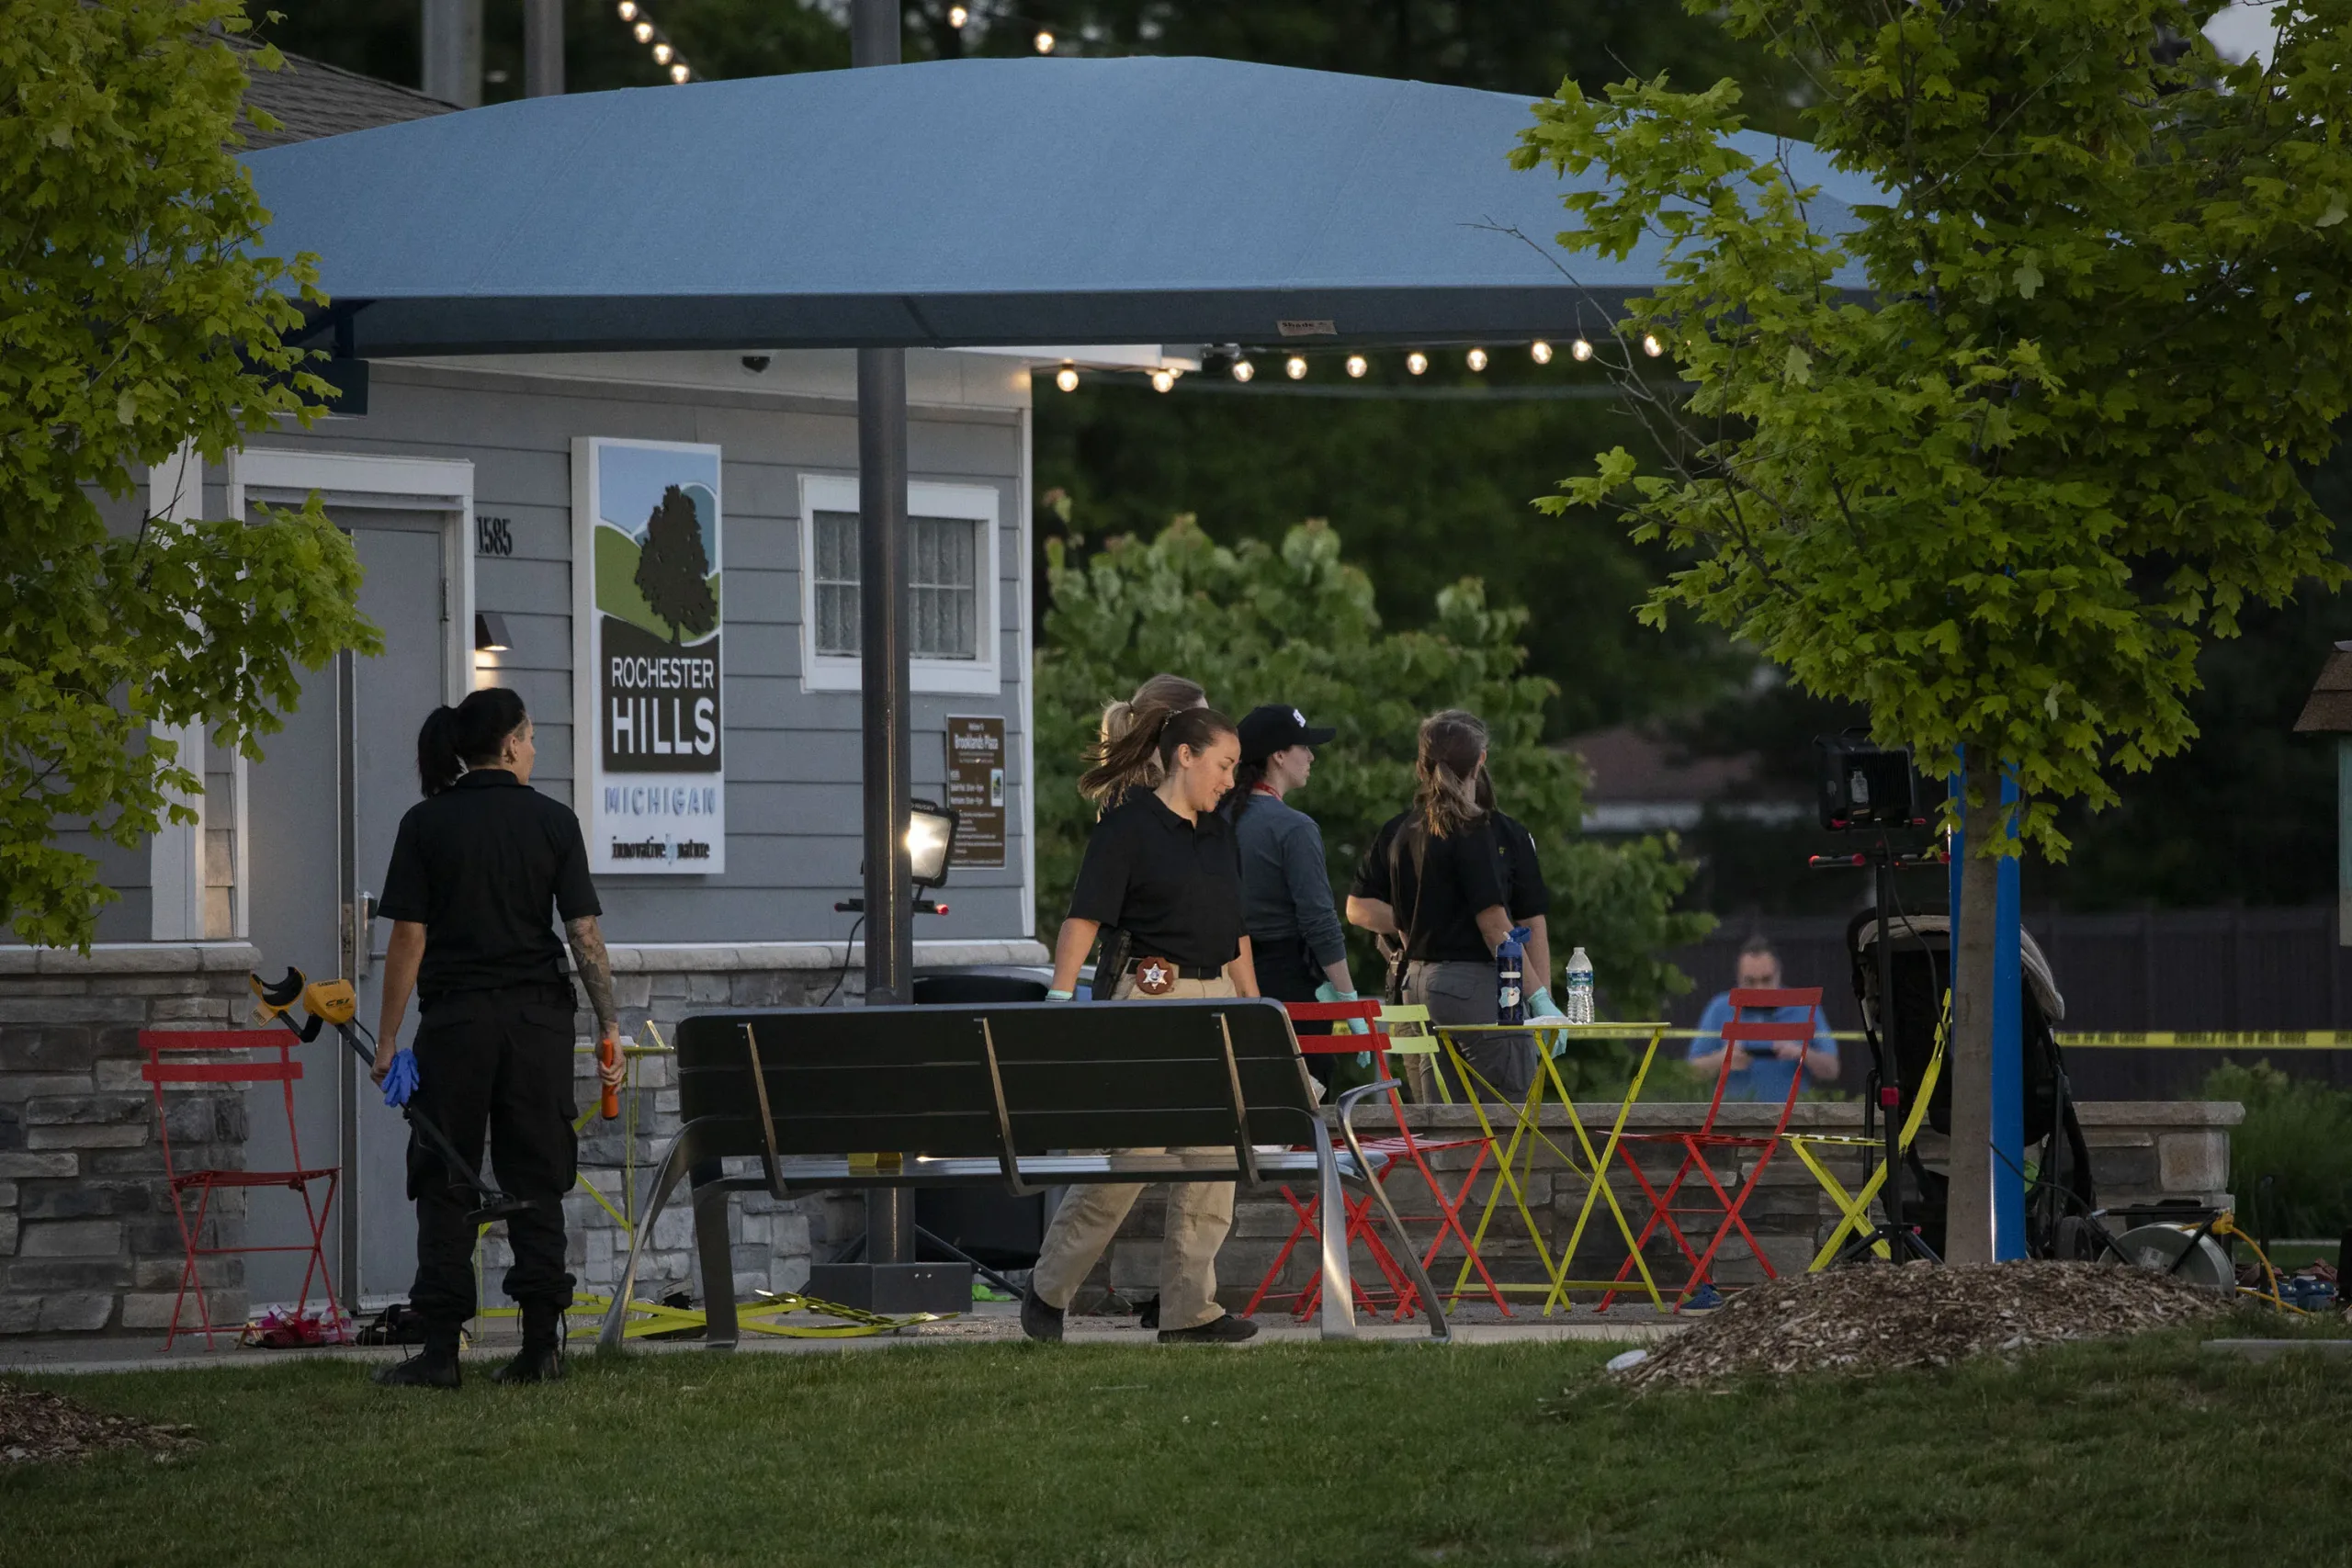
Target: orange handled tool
column 608, row 1053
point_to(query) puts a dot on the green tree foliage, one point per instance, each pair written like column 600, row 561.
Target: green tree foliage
column 135, row 316
column 2002, row 497
column 1255, row 624
column 673, row 572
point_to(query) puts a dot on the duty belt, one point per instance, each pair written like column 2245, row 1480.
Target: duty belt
column 1158, row 977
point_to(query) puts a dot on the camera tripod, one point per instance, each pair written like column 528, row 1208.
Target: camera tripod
column 1901, row 1240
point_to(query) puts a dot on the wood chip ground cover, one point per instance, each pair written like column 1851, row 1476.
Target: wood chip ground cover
column 37, row 1424
column 1878, row 1318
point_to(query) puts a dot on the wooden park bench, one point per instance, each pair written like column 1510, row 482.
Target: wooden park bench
column 998, row 1093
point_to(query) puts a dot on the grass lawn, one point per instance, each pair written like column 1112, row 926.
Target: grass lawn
column 2146, row 1454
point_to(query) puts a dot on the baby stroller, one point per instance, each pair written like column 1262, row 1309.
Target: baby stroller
column 2060, row 1198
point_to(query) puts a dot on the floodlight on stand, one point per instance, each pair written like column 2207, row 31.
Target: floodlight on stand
column 1357, row 366
column 1067, row 376
column 1163, row 380
column 1296, row 367
column 1043, row 42
column 1417, row 362
column 490, row 632
column 1243, row 370
column 1651, row 347
column 1476, row 359
column 1580, row 351
column 931, row 840
column 1540, row 352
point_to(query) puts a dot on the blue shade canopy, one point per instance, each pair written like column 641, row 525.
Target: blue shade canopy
column 967, row 202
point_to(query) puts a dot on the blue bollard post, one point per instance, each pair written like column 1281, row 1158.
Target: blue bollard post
column 2008, row 1037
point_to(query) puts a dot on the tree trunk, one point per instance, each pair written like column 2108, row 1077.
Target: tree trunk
column 1968, row 1225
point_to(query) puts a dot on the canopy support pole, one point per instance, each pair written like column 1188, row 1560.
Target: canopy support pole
column 883, row 677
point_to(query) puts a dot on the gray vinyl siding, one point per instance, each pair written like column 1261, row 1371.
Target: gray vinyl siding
column 793, row 756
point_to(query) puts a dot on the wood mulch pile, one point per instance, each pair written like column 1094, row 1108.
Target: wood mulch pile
column 37, row 1424
column 1877, row 1317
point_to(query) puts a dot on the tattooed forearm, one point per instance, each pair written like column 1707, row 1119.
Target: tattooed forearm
column 596, row 968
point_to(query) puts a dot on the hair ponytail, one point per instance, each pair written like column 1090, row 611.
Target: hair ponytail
column 470, row 735
column 1146, row 749
column 1147, row 711
column 1450, row 789
column 1245, row 780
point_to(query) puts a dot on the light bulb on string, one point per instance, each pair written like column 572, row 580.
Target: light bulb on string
column 1417, row 362
column 1163, row 380
column 628, row 10
column 1043, row 42
column 1651, row 347
column 679, row 74
column 662, row 53
column 644, row 31
column 957, row 17
column 1540, row 352
column 1295, row 367
column 1067, row 376
column 1357, row 366
column 1580, row 351
column 1243, row 370
column 1476, row 359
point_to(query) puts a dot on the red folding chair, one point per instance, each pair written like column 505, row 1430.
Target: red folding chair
column 1698, row 1146
column 234, row 1057
column 1387, row 1153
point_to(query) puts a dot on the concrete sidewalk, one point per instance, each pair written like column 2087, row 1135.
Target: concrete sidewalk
column 988, row 1323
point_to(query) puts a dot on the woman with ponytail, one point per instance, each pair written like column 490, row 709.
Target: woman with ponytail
column 1160, row 865
column 1444, row 883
column 480, row 870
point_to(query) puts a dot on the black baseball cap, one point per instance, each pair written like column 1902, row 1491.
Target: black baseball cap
column 1277, row 727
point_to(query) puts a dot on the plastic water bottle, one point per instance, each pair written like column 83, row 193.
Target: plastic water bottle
column 1511, row 965
column 1579, row 1004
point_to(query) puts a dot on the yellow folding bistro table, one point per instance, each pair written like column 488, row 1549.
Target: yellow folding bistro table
column 1527, row 1132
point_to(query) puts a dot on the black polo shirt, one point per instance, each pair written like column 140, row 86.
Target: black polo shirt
column 1487, row 863
column 479, row 867
column 1175, row 886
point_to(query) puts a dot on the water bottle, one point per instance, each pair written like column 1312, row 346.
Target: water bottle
column 1511, row 964
column 1579, row 1004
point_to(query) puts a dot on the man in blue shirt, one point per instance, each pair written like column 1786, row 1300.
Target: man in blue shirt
column 1761, row 1075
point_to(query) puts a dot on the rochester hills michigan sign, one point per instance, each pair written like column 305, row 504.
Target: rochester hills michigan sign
column 645, row 688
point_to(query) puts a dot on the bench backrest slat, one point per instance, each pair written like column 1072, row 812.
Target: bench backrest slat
column 916, row 1079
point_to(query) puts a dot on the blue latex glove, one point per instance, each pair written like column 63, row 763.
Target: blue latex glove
column 1327, row 992
column 400, row 1081
column 1057, row 996
column 1541, row 1005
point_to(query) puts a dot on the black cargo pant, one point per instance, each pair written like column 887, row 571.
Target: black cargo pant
column 498, row 1061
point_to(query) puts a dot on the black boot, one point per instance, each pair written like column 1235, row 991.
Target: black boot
column 541, row 1359
column 435, row 1366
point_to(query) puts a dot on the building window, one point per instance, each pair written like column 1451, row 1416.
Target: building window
column 943, row 556
column 956, row 606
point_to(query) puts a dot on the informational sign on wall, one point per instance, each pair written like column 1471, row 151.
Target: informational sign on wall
column 976, row 789
column 648, row 713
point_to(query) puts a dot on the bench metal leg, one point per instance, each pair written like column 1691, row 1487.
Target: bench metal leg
column 715, row 1260
column 672, row 1170
column 1339, row 1289
column 1440, row 1331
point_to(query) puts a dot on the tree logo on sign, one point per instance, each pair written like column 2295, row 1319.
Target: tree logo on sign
column 673, row 571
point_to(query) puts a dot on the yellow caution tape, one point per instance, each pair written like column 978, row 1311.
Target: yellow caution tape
column 2216, row 1040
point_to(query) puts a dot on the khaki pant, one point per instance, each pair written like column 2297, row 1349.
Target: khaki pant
column 1199, row 1213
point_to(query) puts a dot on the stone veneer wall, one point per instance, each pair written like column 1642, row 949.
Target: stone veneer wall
column 88, row 1239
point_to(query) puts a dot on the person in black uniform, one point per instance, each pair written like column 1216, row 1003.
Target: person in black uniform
column 1447, row 880
column 1161, row 865
column 477, row 868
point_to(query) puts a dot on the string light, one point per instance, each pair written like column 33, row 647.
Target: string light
column 957, row 18
column 628, row 10
column 1580, row 351
column 644, row 31
column 662, row 53
column 1163, row 380
column 1243, row 370
column 1540, row 352
column 1295, row 367
column 1067, row 376
column 1044, row 42
column 1476, row 359
column 679, row 74
column 1417, row 362
column 1357, row 366
column 1651, row 347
